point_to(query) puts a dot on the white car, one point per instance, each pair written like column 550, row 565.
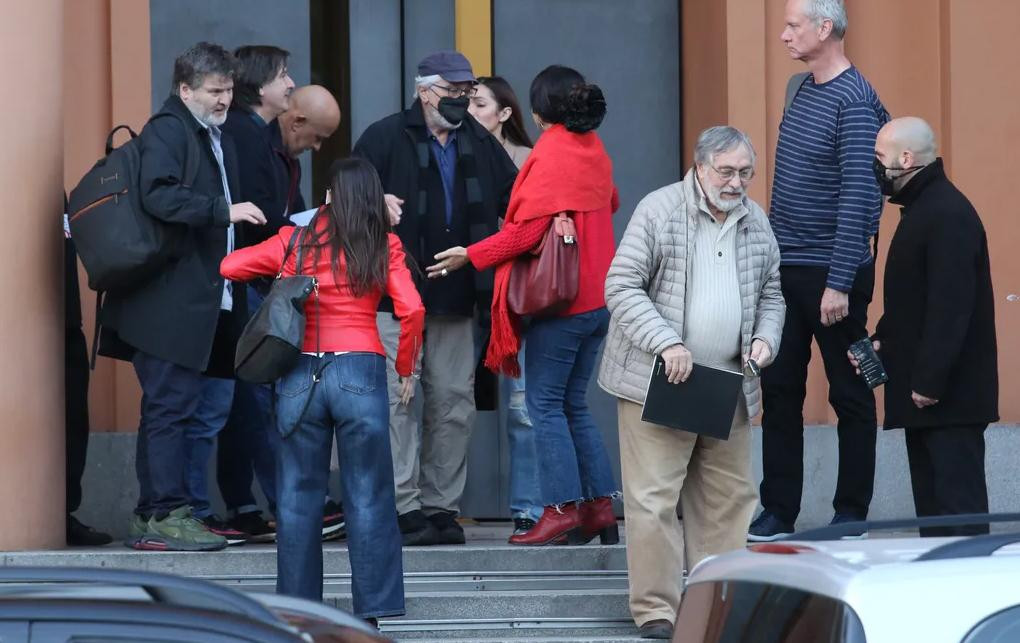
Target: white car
column 882, row 590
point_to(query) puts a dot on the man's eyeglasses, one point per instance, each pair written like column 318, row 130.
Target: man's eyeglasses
column 454, row 92
column 727, row 173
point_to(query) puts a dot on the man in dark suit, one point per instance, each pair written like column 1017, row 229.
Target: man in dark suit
column 181, row 326
column 937, row 335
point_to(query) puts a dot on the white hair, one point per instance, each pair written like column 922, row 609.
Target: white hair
column 833, row 10
column 424, row 82
column 719, row 140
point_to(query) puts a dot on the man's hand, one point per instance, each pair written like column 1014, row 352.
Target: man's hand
column 761, row 353
column 393, row 208
column 679, row 363
column 449, row 260
column 406, row 390
column 877, row 345
column 921, row 401
column 246, row 212
column 835, row 306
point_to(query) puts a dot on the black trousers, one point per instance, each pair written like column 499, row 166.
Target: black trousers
column 784, row 386
column 947, row 473
column 76, row 413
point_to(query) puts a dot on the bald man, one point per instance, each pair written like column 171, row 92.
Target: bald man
column 312, row 117
column 937, row 334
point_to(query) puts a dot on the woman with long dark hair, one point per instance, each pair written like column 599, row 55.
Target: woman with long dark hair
column 339, row 386
column 567, row 172
column 495, row 106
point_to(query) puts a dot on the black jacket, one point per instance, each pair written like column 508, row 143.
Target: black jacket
column 938, row 329
column 263, row 170
column 390, row 145
column 174, row 316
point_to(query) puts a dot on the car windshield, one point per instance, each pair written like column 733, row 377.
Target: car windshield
column 746, row 612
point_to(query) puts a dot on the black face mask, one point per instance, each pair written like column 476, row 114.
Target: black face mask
column 454, row 110
column 887, row 184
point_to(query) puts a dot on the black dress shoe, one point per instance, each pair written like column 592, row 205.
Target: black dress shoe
column 450, row 531
column 81, row 535
column 416, row 529
column 658, row 629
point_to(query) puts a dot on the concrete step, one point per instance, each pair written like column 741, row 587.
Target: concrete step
column 483, row 591
column 251, row 561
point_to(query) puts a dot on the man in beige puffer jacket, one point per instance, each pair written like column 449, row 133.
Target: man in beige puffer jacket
column 695, row 279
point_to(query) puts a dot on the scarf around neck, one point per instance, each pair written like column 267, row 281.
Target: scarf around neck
column 566, row 172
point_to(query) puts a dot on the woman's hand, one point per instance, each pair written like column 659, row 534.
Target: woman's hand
column 449, row 260
column 406, row 390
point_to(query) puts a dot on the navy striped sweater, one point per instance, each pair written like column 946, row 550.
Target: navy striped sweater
column 825, row 201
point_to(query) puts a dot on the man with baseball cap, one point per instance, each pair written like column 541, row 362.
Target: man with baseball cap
column 454, row 180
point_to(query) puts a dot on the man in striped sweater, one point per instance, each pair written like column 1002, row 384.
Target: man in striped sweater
column 825, row 210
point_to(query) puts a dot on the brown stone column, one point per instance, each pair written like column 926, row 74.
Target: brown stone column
column 31, row 279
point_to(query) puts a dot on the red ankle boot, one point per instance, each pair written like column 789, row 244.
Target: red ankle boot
column 597, row 519
column 563, row 524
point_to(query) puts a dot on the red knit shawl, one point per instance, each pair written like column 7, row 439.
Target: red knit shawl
column 566, row 172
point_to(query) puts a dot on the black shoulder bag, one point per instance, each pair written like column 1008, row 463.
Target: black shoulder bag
column 271, row 342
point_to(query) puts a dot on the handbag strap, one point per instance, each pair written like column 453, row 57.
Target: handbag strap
column 323, row 363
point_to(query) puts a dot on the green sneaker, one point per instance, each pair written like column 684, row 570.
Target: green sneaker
column 137, row 527
column 179, row 531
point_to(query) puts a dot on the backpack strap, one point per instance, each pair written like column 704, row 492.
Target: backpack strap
column 192, row 159
column 792, row 87
column 109, row 143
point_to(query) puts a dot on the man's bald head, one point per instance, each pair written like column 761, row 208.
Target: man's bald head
column 312, row 117
column 907, row 142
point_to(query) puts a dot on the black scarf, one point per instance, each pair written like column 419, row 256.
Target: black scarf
column 478, row 227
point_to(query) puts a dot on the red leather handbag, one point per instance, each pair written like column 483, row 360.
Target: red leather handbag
column 543, row 281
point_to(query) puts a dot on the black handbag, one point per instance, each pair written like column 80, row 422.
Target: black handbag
column 270, row 345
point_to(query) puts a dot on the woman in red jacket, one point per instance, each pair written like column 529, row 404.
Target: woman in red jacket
column 568, row 171
column 356, row 260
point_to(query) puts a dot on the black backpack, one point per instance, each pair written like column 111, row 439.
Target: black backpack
column 120, row 244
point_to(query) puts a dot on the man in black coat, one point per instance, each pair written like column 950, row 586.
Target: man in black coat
column 184, row 321
column 937, row 334
column 454, row 179
column 262, row 92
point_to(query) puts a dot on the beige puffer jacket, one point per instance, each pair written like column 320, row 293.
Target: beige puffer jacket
column 646, row 288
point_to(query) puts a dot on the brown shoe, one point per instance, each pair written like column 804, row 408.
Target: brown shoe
column 554, row 525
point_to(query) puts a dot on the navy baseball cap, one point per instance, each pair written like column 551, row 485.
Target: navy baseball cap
column 451, row 65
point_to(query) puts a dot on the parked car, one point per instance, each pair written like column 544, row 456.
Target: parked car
column 881, row 590
column 83, row 605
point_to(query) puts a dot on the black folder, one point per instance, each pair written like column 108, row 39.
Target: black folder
column 704, row 404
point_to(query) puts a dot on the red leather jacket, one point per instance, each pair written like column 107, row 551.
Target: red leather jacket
column 348, row 323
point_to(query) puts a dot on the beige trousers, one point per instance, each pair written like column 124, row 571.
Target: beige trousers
column 429, row 437
column 712, row 480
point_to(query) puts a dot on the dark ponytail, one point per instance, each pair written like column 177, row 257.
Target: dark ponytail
column 560, row 95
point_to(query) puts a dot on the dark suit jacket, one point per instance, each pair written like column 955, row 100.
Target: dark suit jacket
column 174, row 315
column 938, row 328
column 264, row 171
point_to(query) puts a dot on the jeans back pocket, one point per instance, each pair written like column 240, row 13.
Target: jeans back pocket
column 360, row 373
column 298, row 380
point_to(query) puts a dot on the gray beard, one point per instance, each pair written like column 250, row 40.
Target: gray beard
column 723, row 205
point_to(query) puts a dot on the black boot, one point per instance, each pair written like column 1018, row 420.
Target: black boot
column 416, row 529
column 450, row 531
column 81, row 535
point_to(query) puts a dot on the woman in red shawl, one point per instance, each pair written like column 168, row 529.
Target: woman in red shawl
column 568, row 171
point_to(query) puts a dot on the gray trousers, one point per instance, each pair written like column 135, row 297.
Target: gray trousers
column 429, row 437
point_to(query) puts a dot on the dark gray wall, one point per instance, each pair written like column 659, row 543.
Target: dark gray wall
column 631, row 50
column 378, row 88
column 179, row 24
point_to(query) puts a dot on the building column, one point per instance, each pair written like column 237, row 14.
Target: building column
column 31, row 279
